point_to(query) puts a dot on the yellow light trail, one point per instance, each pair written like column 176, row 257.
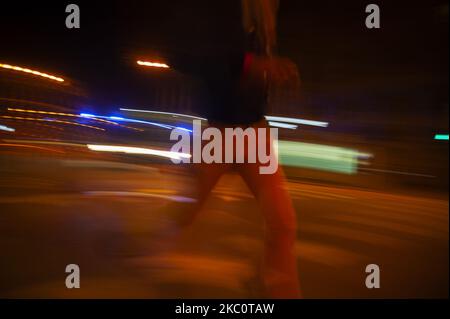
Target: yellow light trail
column 50, row 120
column 153, row 64
column 34, row 72
column 51, row 142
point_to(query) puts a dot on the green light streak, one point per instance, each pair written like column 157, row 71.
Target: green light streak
column 316, row 156
column 441, row 137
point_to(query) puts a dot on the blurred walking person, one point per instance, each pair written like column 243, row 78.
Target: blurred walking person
column 230, row 45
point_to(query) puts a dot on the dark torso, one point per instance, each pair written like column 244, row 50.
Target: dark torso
column 204, row 39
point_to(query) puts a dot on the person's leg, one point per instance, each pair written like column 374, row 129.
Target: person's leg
column 178, row 216
column 280, row 265
column 205, row 177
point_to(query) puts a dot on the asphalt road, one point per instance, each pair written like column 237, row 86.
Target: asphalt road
column 104, row 217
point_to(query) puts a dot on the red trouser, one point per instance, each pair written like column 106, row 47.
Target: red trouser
column 280, row 266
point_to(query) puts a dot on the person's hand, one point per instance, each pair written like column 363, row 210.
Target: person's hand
column 281, row 70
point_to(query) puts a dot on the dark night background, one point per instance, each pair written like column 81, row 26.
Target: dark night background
column 384, row 92
column 390, row 82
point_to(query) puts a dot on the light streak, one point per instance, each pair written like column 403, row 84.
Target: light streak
column 283, row 125
column 441, row 137
column 34, row 72
column 54, row 113
column 153, row 64
column 164, row 113
column 117, row 118
column 175, row 198
column 137, row 150
column 317, row 156
column 50, row 120
column 70, row 115
column 6, row 128
column 296, row 121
